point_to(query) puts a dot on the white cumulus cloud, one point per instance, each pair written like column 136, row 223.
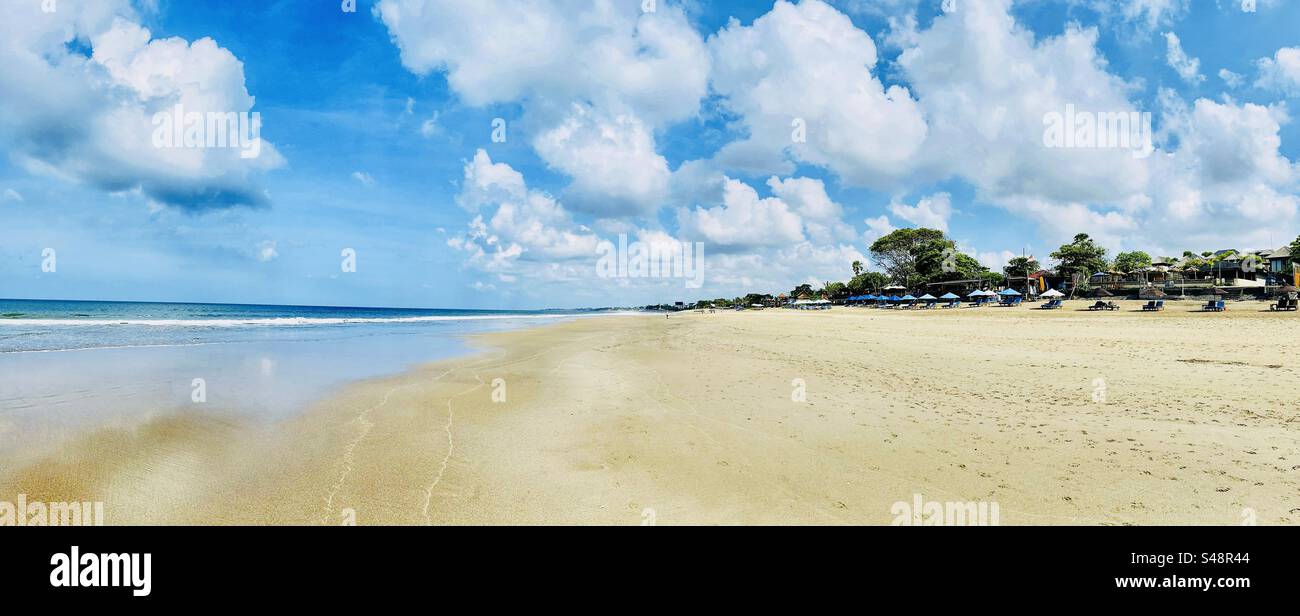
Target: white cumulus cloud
column 88, row 118
column 1281, row 73
column 1187, row 67
column 800, row 77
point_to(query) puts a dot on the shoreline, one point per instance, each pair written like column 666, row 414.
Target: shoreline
column 690, row 420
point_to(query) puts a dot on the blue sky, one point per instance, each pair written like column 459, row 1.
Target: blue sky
column 661, row 125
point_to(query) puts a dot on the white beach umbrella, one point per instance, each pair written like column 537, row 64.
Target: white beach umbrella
column 1053, row 293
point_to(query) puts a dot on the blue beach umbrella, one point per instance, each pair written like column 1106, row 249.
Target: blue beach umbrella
column 949, row 296
column 908, row 298
column 927, row 297
column 1009, row 292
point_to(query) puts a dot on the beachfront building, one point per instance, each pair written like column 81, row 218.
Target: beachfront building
column 1280, row 269
column 1038, row 282
column 959, row 287
column 1239, row 272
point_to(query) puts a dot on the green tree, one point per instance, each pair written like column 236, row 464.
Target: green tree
column 1295, row 252
column 1021, row 266
column 1129, row 262
column 1082, row 258
column 836, row 290
column 857, row 268
column 803, row 289
column 939, row 261
column 868, row 282
column 898, row 252
column 1191, row 261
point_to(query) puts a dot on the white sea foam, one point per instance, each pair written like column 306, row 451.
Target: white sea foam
column 285, row 321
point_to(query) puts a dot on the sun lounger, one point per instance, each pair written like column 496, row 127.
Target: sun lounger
column 1285, row 304
column 956, row 303
column 1098, row 306
column 1214, row 306
column 1154, row 306
column 1052, row 304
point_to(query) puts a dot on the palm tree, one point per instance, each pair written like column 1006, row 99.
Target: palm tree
column 857, row 268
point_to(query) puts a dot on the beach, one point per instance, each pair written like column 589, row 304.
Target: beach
column 755, row 417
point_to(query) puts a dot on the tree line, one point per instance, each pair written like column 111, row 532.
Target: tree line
column 912, row 258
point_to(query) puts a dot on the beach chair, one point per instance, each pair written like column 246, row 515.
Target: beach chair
column 1100, row 305
column 955, row 303
column 1284, row 304
column 1154, row 306
column 1210, row 305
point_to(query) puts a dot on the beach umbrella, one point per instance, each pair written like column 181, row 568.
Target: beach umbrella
column 908, row 298
column 1151, row 293
column 1009, row 292
column 949, row 296
column 1217, row 291
column 1104, row 293
column 894, row 298
column 927, row 296
column 1287, row 289
column 1053, row 293
column 976, row 293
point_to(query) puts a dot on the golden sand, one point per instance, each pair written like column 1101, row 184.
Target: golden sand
column 1064, row 417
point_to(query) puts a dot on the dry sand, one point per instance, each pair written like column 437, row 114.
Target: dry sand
column 1065, row 417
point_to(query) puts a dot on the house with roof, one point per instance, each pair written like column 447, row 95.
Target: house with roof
column 1279, row 261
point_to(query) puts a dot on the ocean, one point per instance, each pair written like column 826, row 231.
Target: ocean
column 56, row 325
column 64, row 363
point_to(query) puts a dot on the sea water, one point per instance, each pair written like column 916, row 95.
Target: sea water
column 66, row 362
